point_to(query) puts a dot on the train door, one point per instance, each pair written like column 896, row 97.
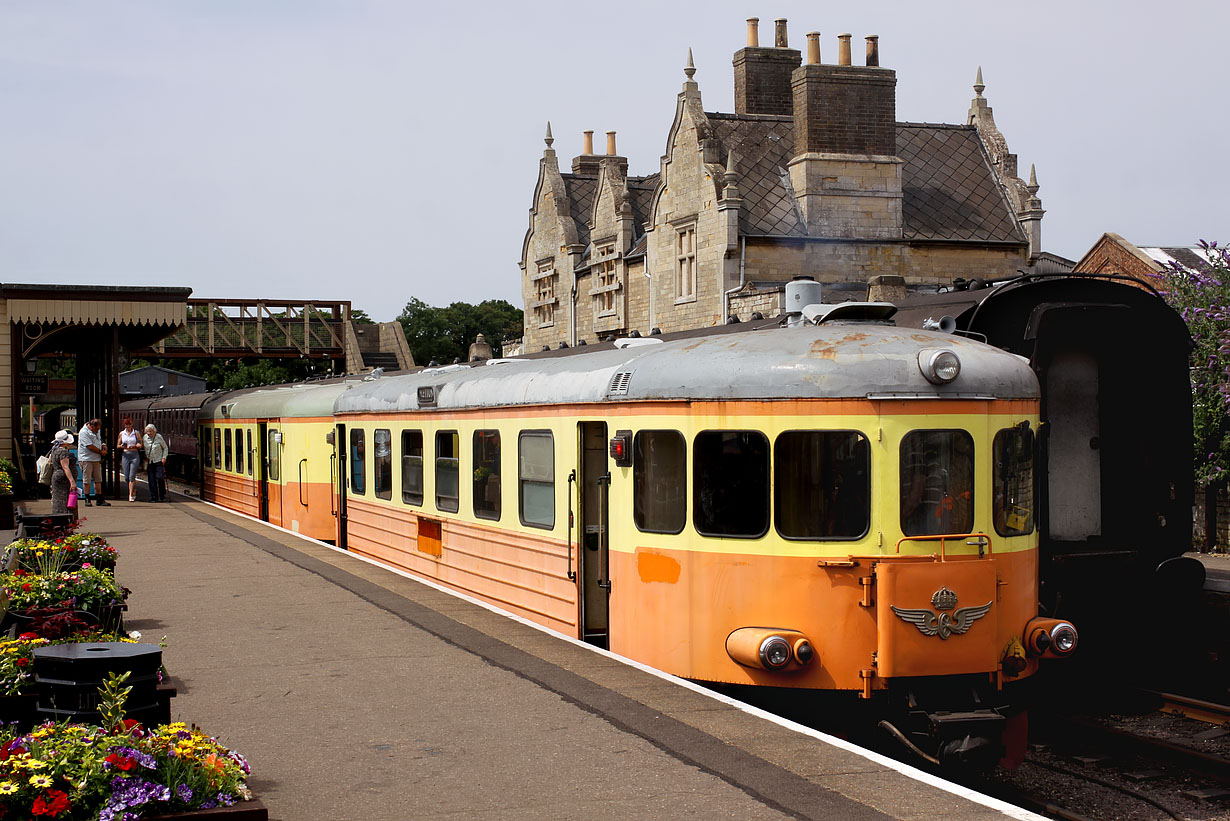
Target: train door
column 338, row 463
column 1074, row 446
column 593, row 560
column 274, row 485
column 262, row 462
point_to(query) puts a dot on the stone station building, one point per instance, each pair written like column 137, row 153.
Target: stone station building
column 811, row 175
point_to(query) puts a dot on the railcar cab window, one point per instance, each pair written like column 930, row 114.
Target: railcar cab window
column 822, row 484
column 487, row 474
column 226, row 447
column 412, row 467
column 251, row 459
column 937, row 482
column 536, row 478
column 383, row 464
column 358, row 461
column 206, row 451
column 239, row 451
column 448, row 464
column 218, row 447
column 659, row 481
column 730, row 483
column 1013, row 481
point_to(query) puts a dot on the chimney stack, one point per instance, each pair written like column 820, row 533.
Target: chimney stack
column 610, row 144
column 845, row 172
column 762, row 75
column 587, row 146
column 586, row 164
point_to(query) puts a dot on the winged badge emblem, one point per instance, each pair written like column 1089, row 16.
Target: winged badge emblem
column 942, row 624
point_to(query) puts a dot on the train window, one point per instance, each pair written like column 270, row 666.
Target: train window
column 487, row 474
column 358, row 461
column 275, row 461
column 239, row 451
column 382, row 464
column 412, row 467
column 659, row 481
column 226, row 448
column 536, row 478
column 937, row 482
column 447, row 468
column 218, row 448
column 1013, row 478
column 730, row 483
column 822, row 484
column 206, row 450
column 251, row 459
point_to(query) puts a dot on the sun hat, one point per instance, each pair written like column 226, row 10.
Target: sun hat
column 63, row 437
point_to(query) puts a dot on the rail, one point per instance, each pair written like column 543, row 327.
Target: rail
column 982, row 540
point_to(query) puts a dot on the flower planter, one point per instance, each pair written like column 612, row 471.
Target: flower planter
column 19, row 710
column 252, row 810
column 7, row 520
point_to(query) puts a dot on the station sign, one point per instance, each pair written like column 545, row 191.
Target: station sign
column 33, row 382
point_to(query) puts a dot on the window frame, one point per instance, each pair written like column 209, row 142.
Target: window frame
column 358, row 465
column 549, row 435
column 1032, row 485
column 638, row 479
column 777, row 483
column 685, row 263
column 239, row 460
column 407, row 498
column 477, row 451
column 903, row 484
column 377, row 461
column 698, row 487
column 456, row 508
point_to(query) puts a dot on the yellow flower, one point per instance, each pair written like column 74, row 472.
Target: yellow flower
column 8, row 788
column 35, row 764
column 40, row 782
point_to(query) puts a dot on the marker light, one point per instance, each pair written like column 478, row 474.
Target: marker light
column 775, row 652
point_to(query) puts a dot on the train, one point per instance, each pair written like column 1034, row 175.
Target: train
column 838, row 502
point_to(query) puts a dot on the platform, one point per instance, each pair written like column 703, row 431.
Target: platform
column 359, row 694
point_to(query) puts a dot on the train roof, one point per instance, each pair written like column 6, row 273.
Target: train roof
column 832, row 360
column 304, row 399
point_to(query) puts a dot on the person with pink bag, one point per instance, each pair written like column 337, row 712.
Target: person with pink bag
column 64, row 480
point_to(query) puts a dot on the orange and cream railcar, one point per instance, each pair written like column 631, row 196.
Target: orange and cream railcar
column 268, row 453
column 842, row 506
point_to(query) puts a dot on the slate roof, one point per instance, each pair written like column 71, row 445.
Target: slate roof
column 581, row 193
column 949, row 190
column 1190, row 257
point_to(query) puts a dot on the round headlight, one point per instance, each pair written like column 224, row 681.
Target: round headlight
column 939, row 367
column 775, row 652
column 1063, row 639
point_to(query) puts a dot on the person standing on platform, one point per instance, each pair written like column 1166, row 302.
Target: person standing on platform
column 156, row 471
column 64, row 479
column 129, row 445
column 90, row 452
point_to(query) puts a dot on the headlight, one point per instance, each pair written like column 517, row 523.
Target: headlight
column 1063, row 639
column 939, row 366
column 775, row 652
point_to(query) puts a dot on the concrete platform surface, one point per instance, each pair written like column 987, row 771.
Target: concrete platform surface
column 357, row 693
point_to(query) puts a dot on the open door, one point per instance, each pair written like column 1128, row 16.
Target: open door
column 338, row 462
column 262, row 467
column 593, row 490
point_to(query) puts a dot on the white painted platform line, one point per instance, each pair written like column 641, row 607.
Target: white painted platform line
column 884, row 761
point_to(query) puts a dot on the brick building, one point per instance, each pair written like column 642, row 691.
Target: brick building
column 1112, row 254
column 812, row 174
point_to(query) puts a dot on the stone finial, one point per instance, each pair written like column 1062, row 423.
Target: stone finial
column 873, row 49
column 731, row 177
column 779, row 33
column 979, row 87
column 625, row 203
column 548, row 139
column 843, row 49
column 587, row 147
column 690, row 69
column 813, row 48
column 610, row 144
column 1033, row 180
column 753, row 33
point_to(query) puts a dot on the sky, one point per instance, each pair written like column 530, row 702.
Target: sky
column 379, row 151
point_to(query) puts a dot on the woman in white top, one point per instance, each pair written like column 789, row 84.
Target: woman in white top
column 129, row 444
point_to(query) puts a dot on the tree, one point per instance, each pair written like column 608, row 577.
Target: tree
column 359, row 317
column 1202, row 298
column 445, row 334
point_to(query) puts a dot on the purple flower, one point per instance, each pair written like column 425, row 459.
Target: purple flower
column 184, row 792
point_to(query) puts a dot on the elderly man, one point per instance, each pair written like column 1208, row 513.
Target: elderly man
column 156, row 472
column 90, row 452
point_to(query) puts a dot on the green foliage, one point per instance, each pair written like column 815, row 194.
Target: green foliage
column 445, row 334
column 229, row 374
column 111, row 700
column 359, row 317
column 1202, row 298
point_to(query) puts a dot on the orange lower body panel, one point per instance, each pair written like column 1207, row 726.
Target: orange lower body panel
column 238, row 493
column 675, row 609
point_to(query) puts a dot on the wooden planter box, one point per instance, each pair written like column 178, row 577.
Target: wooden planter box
column 252, row 810
column 7, row 520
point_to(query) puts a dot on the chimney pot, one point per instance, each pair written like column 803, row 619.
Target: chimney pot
column 753, row 33
column 813, row 48
column 843, row 49
column 610, row 143
column 873, row 49
column 779, row 35
column 588, row 146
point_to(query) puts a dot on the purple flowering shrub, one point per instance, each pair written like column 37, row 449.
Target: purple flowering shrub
column 1202, row 298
